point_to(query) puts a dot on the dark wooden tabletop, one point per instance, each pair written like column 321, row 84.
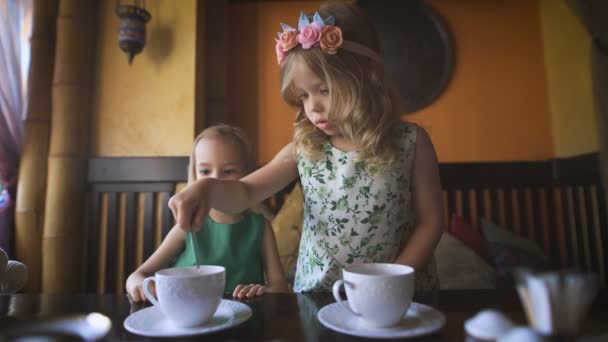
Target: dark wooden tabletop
column 280, row 317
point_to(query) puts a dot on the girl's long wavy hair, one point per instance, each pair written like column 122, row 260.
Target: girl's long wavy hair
column 364, row 108
column 235, row 134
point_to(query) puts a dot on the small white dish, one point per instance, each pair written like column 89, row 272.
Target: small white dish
column 488, row 324
column 151, row 321
column 419, row 320
column 85, row 327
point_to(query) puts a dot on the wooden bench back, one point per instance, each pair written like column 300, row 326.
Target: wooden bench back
column 558, row 204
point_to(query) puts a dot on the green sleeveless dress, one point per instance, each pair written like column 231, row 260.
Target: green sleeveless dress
column 237, row 247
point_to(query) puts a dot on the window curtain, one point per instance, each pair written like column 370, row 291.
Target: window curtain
column 15, row 30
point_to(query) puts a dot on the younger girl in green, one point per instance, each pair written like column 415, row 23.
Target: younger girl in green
column 243, row 243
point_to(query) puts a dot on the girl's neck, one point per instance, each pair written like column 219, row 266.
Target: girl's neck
column 221, row 217
column 343, row 143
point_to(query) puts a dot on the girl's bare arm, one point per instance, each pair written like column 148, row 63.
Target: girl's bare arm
column 275, row 277
column 428, row 205
column 191, row 205
column 172, row 244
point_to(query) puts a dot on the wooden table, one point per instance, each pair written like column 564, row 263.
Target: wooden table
column 283, row 317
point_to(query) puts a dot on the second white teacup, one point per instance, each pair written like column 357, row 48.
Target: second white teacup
column 187, row 296
column 380, row 294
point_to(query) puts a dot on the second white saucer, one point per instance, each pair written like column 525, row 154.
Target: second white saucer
column 419, row 320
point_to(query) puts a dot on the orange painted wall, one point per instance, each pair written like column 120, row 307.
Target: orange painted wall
column 495, row 108
column 253, row 73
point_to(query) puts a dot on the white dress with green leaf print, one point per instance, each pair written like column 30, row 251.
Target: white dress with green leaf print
column 352, row 217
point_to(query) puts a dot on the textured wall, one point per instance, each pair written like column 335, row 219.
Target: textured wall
column 146, row 109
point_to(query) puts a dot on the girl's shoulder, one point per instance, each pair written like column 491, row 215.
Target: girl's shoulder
column 407, row 129
column 407, row 134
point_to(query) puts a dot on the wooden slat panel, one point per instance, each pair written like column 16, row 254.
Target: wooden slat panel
column 560, row 219
column 140, row 218
column 111, row 243
column 466, row 204
column 500, row 198
column 451, row 203
column 551, row 228
column 103, row 240
column 602, row 205
column 120, row 243
column 529, row 218
column 534, row 222
column 167, row 216
column 479, row 203
column 487, row 205
column 474, row 215
column 571, row 226
column 495, row 206
column 158, row 219
column 536, row 217
column 584, row 232
column 458, row 202
column 149, row 224
column 544, row 223
column 446, row 215
column 598, row 237
column 129, row 238
column 522, row 211
column 93, row 232
column 509, row 206
column 590, row 235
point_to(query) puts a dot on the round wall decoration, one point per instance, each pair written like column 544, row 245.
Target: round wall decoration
column 417, row 48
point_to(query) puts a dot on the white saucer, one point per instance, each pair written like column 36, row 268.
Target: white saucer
column 151, row 321
column 419, row 320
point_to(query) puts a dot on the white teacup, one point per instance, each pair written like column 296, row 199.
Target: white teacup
column 187, row 296
column 380, row 294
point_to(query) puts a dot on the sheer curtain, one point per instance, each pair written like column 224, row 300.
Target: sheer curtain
column 15, row 30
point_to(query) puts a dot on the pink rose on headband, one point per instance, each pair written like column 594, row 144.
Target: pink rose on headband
column 289, row 39
column 309, row 35
column 280, row 53
column 331, row 39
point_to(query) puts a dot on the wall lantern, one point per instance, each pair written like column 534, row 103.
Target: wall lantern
column 132, row 30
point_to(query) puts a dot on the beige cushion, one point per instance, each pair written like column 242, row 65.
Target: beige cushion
column 287, row 226
column 459, row 267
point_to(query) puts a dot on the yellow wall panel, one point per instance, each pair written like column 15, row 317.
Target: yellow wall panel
column 147, row 108
column 568, row 66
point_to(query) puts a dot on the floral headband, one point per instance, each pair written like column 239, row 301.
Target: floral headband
column 321, row 33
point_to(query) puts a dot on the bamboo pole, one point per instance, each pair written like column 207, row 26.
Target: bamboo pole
column 33, row 166
column 63, row 235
